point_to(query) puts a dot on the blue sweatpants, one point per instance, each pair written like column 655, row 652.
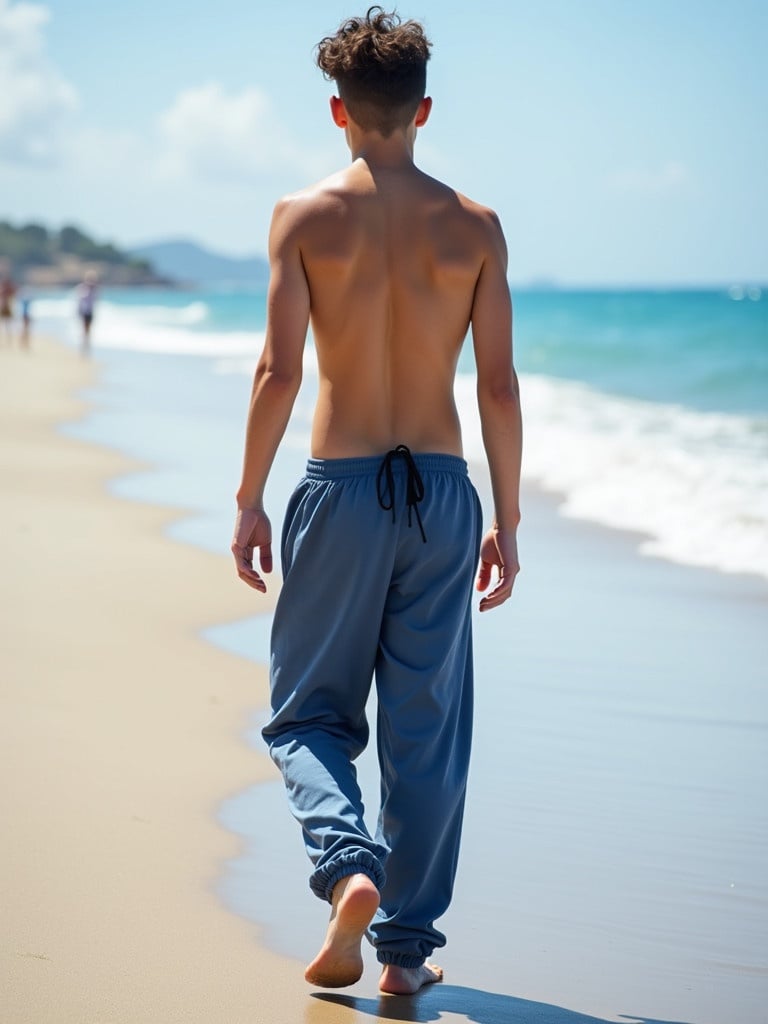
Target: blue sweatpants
column 364, row 596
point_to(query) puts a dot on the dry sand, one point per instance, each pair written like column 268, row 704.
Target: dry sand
column 120, row 732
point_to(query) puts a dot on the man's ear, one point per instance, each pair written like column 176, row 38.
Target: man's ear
column 422, row 114
column 339, row 112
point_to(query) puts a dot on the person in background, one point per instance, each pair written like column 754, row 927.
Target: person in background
column 25, row 303
column 86, row 304
column 7, row 293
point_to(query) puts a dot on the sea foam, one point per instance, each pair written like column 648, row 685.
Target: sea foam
column 694, row 483
column 164, row 330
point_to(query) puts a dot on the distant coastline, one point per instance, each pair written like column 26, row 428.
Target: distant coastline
column 36, row 257
column 192, row 264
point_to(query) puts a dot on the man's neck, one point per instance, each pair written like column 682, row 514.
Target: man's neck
column 392, row 153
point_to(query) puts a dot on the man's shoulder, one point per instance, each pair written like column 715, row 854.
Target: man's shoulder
column 478, row 214
column 311, row 200
column 486, row 218
column 480, row 225
column 300, row 215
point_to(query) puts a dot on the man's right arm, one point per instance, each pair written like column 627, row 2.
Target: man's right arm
column 498, row 399
column 275, row 386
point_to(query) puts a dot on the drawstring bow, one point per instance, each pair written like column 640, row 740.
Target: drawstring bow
column 414, row 485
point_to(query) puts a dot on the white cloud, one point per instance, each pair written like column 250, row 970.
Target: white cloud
column 34, row 98
column 670, row 177
column 211, row 134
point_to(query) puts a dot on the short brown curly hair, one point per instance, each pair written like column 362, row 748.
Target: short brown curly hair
column 380, row 67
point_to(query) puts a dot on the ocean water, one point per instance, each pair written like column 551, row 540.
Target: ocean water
column 644, row 410
column 616, row 837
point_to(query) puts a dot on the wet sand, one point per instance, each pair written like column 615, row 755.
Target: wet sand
column 616, row 835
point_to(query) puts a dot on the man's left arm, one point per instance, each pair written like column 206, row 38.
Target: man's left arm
column 275, row 386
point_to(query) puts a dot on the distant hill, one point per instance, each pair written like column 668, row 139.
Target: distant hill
column 34, row 255
column 192, row 263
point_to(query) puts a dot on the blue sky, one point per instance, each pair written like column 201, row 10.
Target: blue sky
column 620, row 142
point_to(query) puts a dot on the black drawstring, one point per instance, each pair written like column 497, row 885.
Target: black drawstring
column 414, row 486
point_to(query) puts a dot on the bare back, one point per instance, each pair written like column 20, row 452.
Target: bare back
column 392, row 259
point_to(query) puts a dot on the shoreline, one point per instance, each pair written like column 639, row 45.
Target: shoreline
column 231, row 973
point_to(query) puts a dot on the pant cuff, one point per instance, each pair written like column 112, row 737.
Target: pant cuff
column 384, row 956
column 349, row 862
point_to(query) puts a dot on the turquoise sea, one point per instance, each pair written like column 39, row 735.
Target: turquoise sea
column 644, row 410
column 616, row 837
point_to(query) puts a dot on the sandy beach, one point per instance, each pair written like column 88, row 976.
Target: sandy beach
column 631, row 844
column 119, row 729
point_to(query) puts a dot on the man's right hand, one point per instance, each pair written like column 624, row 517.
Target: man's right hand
column 252, row 530
column 499, row 549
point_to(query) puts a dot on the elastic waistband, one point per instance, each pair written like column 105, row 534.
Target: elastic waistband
column 368, row 465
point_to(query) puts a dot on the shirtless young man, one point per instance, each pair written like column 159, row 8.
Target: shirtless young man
column 381, row 537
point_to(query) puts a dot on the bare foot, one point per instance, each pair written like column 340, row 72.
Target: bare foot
column 339, row 962
column 404, row 981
